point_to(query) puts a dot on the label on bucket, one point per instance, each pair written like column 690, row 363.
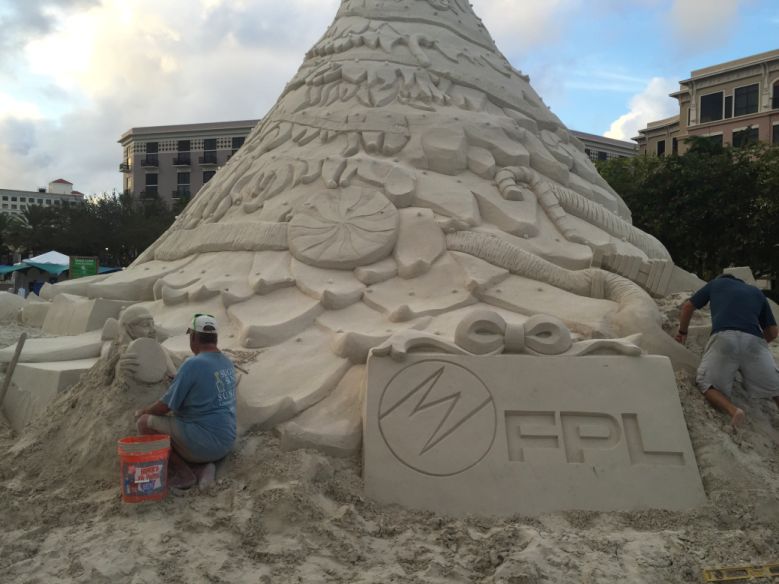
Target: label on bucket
column 144, row 479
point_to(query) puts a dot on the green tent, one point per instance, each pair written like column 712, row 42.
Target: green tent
column 8, row 269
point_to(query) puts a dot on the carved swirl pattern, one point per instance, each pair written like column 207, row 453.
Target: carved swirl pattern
column 344, row 229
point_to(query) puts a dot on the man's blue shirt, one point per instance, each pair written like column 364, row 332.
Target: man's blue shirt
column 735, row 306
column 202, row 398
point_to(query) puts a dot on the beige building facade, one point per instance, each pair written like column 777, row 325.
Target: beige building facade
column 172, row 163
column 734, row 104
column 59, row 194
column 600, row 148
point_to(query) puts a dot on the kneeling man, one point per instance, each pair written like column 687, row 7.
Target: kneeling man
column 198, row 410
column 742, row 327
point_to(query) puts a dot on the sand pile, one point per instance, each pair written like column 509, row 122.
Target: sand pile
column 276, row 517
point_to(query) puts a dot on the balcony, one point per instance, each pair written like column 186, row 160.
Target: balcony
column 182, row 160
column 151, row 161
column 150, row 193
column 209, row 159
column 775, row 103
column 124, row 167
column 181, row 193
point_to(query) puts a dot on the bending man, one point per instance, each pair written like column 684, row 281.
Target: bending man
column 198, row 410
column 742, row 327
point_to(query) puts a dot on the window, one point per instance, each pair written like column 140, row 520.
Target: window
column 711, row 107
column 183, row 157
column 209, row 151
column 238, row 142
column 775, row 100
column 661, row 148
column 14, row 206
column 5, row 198
column 22, row 200
column 674, row 146
column 208, row 175
column 152, row 157
column 729, row 107
column 48, row 201
column 151, row 184
column 5, row 205
column 182, row 185
column 13, row 199
column 746, row 100
column 745, row 137
column 775, row 137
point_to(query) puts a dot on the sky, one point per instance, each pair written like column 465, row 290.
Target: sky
column 76, row 74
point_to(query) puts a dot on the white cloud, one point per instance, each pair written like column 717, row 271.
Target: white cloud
column 104, row 68
column 517, row 26
column 703, row 23
column 652, row 104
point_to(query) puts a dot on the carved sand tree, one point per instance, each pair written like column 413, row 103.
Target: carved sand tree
column 406, row 175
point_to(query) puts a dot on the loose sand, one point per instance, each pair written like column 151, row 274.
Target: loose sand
column 276, row 517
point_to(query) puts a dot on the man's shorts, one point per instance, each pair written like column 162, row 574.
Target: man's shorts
column 172, row 427
column 730, row 352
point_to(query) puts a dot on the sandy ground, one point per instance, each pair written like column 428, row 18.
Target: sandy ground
column 276, row 517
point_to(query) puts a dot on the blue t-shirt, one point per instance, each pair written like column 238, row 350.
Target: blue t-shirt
column 735, row 306
column 202, row 398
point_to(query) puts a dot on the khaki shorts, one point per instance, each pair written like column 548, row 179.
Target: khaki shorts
column 730, row 352
column 170, row 426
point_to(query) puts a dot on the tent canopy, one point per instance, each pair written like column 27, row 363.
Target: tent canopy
column 50, row 257
column 53, row 269
column 8, row 269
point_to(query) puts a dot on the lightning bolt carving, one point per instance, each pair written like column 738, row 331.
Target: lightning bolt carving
column 440, row 433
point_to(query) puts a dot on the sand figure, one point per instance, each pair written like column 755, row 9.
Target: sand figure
column 407, row 174
column 135, row 355
column 742, row 326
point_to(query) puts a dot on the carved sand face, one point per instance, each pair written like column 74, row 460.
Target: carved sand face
column 142, row 328
column 137, row 323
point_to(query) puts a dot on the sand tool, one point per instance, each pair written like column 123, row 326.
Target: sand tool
column 11, row 367
column 741, row 573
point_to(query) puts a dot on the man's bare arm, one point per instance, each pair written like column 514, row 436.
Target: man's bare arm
column 770, row 333
column 685, row 316
column 156, row 409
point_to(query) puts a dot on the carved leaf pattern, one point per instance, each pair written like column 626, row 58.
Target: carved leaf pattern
column 344, row 229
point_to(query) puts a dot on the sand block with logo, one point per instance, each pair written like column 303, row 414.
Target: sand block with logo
column 518, row 434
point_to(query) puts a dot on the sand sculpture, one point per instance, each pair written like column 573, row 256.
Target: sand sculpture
column 407, row 175
column 135, row 355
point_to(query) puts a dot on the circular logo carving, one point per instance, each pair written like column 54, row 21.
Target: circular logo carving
column 437, row 417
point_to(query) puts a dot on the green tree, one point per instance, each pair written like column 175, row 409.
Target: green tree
column 712, row 207
column 116, row 228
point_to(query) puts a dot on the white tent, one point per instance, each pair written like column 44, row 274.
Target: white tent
column 51, row 257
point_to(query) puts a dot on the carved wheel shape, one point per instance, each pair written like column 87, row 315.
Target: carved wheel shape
column 344, row 229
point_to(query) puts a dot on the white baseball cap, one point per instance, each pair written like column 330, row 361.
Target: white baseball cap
column 203, row 323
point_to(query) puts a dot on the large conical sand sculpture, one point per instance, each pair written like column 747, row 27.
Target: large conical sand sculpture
column 406, row 175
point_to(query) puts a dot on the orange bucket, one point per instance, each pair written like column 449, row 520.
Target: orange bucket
column 144, row 467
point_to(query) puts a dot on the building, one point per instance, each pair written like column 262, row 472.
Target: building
column 174, row 162
column 59, row 194
column 602, row 148
column 734, row 104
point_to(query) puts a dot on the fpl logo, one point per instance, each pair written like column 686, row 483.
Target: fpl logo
column 437, row 418
column 440, row 419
